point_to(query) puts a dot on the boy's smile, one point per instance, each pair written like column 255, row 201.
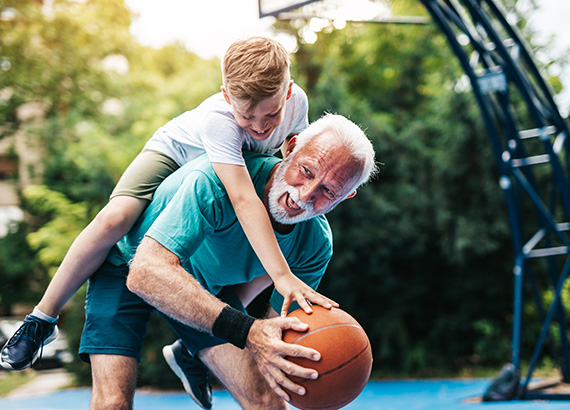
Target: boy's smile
column 261, row 121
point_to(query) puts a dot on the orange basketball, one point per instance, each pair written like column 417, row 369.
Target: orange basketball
column 346, row 359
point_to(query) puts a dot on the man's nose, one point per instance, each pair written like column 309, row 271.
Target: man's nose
column 307, row 191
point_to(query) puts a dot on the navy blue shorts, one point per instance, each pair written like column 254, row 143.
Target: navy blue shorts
column 116, row 319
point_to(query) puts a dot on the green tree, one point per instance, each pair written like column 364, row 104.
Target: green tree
column 22, row 279
column 423, row 255
column 102, row 96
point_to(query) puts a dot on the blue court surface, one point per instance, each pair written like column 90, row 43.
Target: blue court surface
column 378, row 395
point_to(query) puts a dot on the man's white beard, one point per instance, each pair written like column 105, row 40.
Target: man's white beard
column 278, row 189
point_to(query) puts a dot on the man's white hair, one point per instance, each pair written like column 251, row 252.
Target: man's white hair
column 347, row 133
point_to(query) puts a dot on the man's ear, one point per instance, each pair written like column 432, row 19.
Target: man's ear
column 226, row 96
column 291, row 145
column 351, row 195
column 290, row 90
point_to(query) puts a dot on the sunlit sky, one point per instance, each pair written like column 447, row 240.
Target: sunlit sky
column 208, row 27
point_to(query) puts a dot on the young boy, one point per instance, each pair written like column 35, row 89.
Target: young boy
column 257, row 109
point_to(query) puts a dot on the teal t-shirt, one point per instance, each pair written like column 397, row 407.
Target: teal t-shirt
column 192, row 216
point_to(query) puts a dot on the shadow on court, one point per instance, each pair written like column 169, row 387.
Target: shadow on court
column 381, row 395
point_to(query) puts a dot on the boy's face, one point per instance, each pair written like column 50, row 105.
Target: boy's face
column 261, row 121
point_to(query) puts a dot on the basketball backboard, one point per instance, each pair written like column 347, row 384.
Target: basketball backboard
column 380, row 11
column 276, row 7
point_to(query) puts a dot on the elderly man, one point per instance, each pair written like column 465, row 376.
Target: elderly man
column 190, row 248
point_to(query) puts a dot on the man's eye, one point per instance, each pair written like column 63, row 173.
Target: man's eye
column 328, row 193
column 307, row 172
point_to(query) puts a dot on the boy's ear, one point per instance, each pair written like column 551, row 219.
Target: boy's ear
column 290, row 90
column 226, row 96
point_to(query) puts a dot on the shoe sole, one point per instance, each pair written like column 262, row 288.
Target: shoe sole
column 171, row 361
column 49, row 339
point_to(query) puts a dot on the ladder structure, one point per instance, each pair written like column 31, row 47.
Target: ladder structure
column 529, row 139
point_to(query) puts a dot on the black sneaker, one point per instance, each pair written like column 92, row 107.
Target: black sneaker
column 195, row 376
column 26, row 346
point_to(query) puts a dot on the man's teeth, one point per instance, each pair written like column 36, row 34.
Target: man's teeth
column 292, row 203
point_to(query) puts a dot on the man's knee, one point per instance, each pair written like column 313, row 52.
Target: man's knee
column 114, row 381
column 110, row 400
column 263, row 399
column 237, row 370
column 255, row 394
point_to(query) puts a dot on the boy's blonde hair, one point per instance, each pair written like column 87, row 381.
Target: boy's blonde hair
column 255, row 69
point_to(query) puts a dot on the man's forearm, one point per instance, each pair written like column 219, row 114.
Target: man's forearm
column 157, row 276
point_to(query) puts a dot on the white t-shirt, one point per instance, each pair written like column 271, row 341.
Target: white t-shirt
column 212, row 128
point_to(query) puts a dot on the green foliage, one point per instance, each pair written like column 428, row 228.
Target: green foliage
column 102, row 96
column 434, row 220
column 65, row 220
column 493, row 344
column 23, row 281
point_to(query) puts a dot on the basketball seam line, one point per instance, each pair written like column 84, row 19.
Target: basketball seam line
column 345, row 363
column 323, row 328
column 352, row 359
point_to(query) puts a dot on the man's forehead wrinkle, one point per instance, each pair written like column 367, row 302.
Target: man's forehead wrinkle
column 321, row 153
column 344, row 175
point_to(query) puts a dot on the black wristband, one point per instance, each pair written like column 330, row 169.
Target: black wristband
column 232, row 326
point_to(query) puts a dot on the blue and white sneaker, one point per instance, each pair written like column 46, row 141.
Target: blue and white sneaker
column 26, row 345
column 195, row 376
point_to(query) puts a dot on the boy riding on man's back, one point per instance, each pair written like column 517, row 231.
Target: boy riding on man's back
column 258, row 108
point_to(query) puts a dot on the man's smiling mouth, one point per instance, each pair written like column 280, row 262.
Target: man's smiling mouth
column 291, row 204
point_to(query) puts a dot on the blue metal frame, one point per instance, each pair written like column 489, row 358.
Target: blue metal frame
column 499, row 65
column 501, row 70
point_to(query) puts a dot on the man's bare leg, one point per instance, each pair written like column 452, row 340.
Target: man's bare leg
column 237, row 370
column 114, row 382
column 187, row 369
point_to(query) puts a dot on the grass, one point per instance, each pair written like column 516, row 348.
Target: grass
column 11, row 380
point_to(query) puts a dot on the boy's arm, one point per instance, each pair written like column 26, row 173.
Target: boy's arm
column 255, row 222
